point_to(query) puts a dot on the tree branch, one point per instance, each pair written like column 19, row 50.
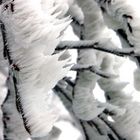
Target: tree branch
column 103, row 118
column 93, row 69
column 68, row 80
column 57, row 88
column 89, row 44
column 7, row 55
column 62, row 93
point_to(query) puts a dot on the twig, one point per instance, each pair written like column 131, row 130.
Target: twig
column 57, row 88
column 93, row 69
column 75, row 21
column 123, row 36
column 71, row 83
column 103, row 118
column 6, row 53
column 85, row 131
column 93, row 124
column 105, row 130
column 89, row 44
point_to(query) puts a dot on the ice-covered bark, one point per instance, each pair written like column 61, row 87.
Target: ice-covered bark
column 33, row 32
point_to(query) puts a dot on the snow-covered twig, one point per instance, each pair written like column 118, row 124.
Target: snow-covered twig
column 89, row 44
column 69, row 81
column 104, row 119
column 93, row 69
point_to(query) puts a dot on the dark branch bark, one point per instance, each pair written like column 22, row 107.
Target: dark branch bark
column 85, row 131
column 6, row 53
column 123, row 36
column 93, row 124
column 57, row 88
column 103, row 118
column 68, row 80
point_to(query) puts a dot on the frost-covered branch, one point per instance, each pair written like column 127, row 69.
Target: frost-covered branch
column 126, row 125
column 93, row 69
column 123, row 17
column 32, row 31
column 95, row 29
column 68, row 80
column 104, row 119
column 13, row 125
column 31, row 51
column 85, row 44
column 95, row 128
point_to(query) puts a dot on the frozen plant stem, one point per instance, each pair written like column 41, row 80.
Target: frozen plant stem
column 89, row 44
column 104, row 119
column 68, row 80
column 93, row 69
